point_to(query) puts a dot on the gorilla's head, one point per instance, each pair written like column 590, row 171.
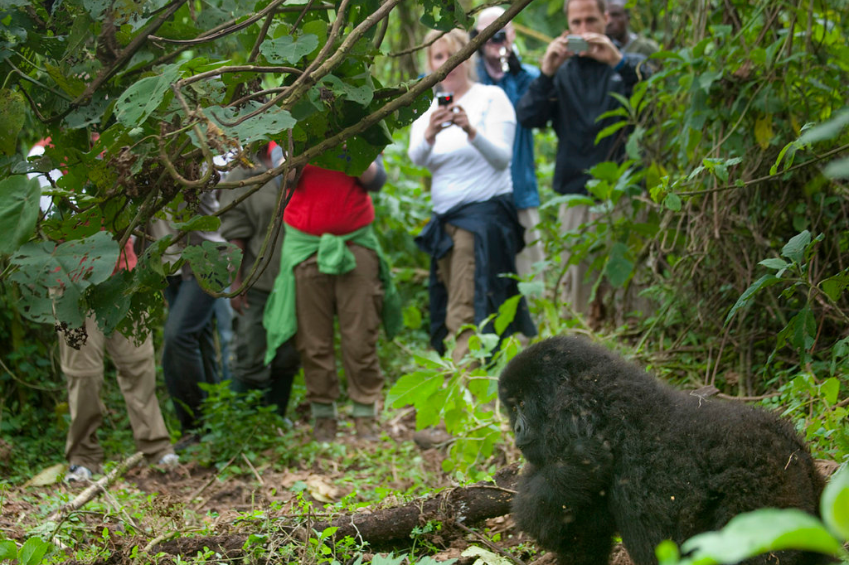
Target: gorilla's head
column 539, row 389
column 526, row 387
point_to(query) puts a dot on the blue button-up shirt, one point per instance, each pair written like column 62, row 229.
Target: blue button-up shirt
column 525, row 191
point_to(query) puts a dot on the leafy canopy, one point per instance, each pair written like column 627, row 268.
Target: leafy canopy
column 140, row 100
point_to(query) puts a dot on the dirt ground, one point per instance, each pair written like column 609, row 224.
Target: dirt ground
column 193, row 510
column 192, row 507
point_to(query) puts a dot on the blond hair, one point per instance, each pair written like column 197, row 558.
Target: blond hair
column 455, row 39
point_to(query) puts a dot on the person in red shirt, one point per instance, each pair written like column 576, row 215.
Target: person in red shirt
column 331, row 257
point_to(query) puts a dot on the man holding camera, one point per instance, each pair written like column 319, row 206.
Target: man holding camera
column 580, row 69
column 499, row 65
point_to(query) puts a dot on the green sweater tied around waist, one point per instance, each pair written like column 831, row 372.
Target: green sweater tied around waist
column 334, row 258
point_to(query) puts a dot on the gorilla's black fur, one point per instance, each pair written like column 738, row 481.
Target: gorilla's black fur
column 612, row 449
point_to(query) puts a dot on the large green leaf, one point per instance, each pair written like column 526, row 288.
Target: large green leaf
column 199, row 223
column 265, row 126
column 406, row 115
column 430, row 360
column 754, row 533
column 96, row 8
column 362, row 94
column 18, row 211
column 618, row 268
column 33, row 551
column 412, row 317
column 795, row 248
column 74, row 86
column 775, row 263
column 57, row 275
column 838, row 169
column 834, row 286
column 506, row 313
column 285, row 50
column 388, row 559
column 414, row 388
column 444, row 14
column 213, row 263
column 763, row 282
column 804, row 329
column 352, row 159
column 834, row 505
column 141, row 99
column 827, row 130
column 91, row 113
column 8, row 550
column 110, row 301
column 13, row 111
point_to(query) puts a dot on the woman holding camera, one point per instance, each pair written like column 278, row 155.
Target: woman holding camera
column 465, row 139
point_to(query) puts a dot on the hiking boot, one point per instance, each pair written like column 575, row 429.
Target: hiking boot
column 170, row 460
column 366, row 428
column 325, row 429
column 78, row 473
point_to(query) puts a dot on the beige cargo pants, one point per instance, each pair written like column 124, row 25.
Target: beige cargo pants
column 83, row 369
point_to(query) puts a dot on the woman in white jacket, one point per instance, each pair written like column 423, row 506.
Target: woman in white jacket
column 474, row 234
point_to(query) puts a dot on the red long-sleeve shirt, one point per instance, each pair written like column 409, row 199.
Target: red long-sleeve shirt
column 328, row 202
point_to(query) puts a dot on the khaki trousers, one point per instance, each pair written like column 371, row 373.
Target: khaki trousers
column 137, row 380
column 577, row 290
column 534, row 251
column 357, row 299
column 456, row 270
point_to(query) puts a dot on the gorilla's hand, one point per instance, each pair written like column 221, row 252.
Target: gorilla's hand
column 562, row 517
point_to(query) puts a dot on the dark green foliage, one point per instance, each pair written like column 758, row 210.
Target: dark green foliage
column 228, row 416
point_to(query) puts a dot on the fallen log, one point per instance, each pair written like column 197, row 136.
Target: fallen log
column 466, row 505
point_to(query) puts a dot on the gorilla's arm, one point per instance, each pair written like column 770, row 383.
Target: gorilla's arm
column 564, row 507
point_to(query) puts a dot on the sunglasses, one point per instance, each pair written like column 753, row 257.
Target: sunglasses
column 499, row 37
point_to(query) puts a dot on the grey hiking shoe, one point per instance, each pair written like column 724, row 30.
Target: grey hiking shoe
column 78, row 473
column 169, row 460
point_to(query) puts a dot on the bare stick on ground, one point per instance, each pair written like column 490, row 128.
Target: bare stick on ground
column 99, row 486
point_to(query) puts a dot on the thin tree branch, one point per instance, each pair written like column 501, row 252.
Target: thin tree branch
column 126, row 54
column 767, row 177
column 91, row 492
column 307, row 74
column 405, row 99
column 258, row 94
column 418, row 47
column 235, row 69
column 219, row 34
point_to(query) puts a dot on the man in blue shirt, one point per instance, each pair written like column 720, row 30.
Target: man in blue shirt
column 498, row 64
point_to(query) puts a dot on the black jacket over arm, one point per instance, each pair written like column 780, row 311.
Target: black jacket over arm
column 498, row 238
column 572, row 100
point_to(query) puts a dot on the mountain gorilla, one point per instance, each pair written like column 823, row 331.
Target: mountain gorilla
column 612, row 449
